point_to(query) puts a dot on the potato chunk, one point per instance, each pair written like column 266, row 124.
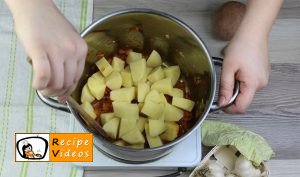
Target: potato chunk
column 153, row 141
column 156, row 75
column 154, row 59
column 154, row 96
column 111, row 128
column 172, row 72
column 153, row 109
column 171, row 132
column 141, row 123
column 118, row 64
column 163, row 86
column 126, row 110
column 172, row 113
column 138, row 70
column 142, row 90
column 96, row 85
column 86, row 95
column 126, row 125
column 126, row 78
column 183, row 103
column 156, row 127
column 105, row 117
column 133, row 56
column 104, row 66
column 134, row 136
column 114, row 81
column 88, row 108
column 123, row 94
column 177, row 93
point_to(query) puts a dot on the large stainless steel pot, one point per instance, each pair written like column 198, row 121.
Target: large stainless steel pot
column 176, row 42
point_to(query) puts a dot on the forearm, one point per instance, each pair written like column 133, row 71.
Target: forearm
column 259, row 18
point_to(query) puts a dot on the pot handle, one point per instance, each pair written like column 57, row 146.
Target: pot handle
column 214, row 107
column 53, row 103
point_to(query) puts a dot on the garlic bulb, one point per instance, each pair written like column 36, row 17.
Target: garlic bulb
column 244, row 168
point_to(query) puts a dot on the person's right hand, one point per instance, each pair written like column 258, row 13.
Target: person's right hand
column 56, row 49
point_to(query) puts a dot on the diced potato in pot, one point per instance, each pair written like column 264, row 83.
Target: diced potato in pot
column 126, row 125
column 153, row 141
column 105, row 117
column 123, row 94
column 114, row 81
column 172, row 72
column 126, row 110
column 111, row 128
column 183, row 103
column 177, row 93
column 88, row 108
column 144, row 78
column 156, row 127
column 154, row 96
column 133, row 56
column 172, row 113
column 86, row 95
column 142, row 90
column 137, row 146
column 104, row 66
column 153, row 109
column 126, row 78
column 138, row 70
column 154, row 59
column 163, row 86
column 120, row 143
column 96, row 85
column 171, row 132
column 118, row 64
column 134, row 136
column 156, row 75
column 141, row 123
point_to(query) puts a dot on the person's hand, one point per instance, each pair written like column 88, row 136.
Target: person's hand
column 246, row 60
column 57, row 51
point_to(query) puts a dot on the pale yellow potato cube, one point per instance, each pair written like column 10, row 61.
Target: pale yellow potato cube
column 123, row 94
column 126, row 110
column 138, row 70
column 105, row 117
column 88, row 108
column 171, row 132
column 133, row 56
column 172, row 113
column 163, row 98
column 142, row 90
column 172, row 72
column 144, row 79
column 156, row 74
column 96, row 85
column 154, row 59
column 104, row 66
column 114, row 81
column 176, row 92
column 126, row 78
column 153, row 109
column 86, row 95
column 134, row 137
column 140, row 105
column 120, row 143
column 153, row 141
column 156, row 127
column 137, row 146
column 183, row 103
column 126, row 125
column 141, row 123
column 163, row 86
column 154, row 96
column 118, row 64
column 111, row 128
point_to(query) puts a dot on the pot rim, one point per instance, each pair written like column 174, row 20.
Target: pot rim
column 205, row 49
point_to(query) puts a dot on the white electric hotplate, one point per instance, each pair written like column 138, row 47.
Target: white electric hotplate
column 186, row 154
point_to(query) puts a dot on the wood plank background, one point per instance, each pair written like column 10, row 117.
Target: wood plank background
column 275, row 110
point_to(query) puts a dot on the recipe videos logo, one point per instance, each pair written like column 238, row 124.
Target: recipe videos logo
column 54, row 147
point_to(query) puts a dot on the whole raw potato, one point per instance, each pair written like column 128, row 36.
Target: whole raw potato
column 227, row 19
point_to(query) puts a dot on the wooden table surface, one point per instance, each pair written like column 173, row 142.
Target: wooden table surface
column 275, row 111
